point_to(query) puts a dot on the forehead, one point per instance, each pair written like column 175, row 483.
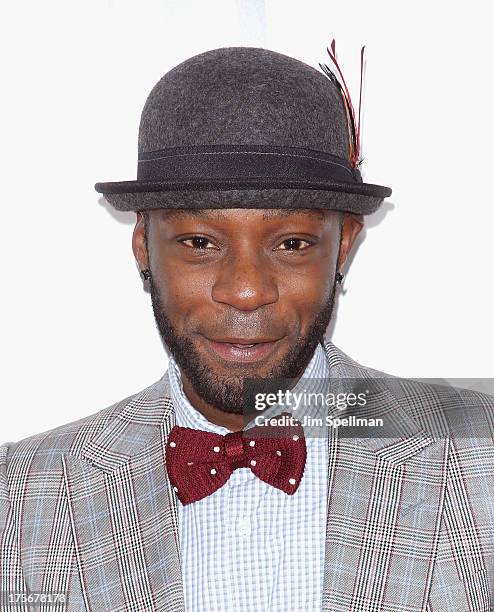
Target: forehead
column 265, row 214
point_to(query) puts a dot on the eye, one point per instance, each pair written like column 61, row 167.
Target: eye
column 294, row 244
column 197, row 242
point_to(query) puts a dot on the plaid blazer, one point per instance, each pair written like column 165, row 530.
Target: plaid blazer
column 87, row 508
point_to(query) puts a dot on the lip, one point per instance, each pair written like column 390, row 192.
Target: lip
column 229, row 350
column 238, row 340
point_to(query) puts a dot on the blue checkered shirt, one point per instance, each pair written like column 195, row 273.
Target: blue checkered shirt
column 250, row 547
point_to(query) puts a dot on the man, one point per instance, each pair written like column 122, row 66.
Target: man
column 248, row 202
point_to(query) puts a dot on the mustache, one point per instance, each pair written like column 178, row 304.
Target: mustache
column 253, row 324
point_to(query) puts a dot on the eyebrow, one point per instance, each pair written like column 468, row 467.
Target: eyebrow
column 208, row 213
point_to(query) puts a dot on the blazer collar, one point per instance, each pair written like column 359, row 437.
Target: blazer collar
column 138, row 425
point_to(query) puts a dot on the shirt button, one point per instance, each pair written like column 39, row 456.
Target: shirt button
column 243, row 526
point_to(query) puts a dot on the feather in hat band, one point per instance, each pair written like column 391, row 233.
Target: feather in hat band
column 354, row 145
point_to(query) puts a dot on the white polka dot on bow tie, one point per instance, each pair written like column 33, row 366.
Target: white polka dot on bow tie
column 213, row 471
column 295, row 438
column 216, row 449
column 292, row 481
column 173, row 444
column 253, row 462
column 278, row 453
column 252, row 443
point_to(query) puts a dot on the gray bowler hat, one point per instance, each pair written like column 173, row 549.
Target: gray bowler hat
column 244, row 127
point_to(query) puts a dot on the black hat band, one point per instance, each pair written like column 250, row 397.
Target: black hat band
column 243, row 161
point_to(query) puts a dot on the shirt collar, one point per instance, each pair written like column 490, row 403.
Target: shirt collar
column 314, row 379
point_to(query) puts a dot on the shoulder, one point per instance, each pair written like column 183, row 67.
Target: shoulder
column 42, row 451
column 438, row 407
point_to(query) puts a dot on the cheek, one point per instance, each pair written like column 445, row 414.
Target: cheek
column 306, row 298
column 183, row 292
column 309, row 285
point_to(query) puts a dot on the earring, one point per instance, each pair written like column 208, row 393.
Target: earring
column 146, row 274
column 339, row 277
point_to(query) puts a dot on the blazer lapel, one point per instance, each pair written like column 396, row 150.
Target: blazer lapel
column 123, row 512
column 385, row 499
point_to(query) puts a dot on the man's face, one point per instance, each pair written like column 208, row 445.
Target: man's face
column 240, row 293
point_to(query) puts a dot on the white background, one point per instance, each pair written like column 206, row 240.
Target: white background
column 78, row 331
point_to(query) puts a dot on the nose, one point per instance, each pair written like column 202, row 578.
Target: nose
column 245, row 282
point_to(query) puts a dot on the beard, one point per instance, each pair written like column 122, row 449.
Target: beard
column 235, row 394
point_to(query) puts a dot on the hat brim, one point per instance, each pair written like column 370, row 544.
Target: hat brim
column 359, row 198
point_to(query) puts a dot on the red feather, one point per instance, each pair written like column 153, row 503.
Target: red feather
column 353, row 128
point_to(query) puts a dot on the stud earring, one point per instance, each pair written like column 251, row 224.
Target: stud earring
column 339, row 277
column 146, row 274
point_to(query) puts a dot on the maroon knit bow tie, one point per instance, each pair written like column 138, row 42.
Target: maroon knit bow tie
column 199, row 462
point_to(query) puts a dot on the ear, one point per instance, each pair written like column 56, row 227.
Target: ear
column 139, row 242
column 351, row 226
